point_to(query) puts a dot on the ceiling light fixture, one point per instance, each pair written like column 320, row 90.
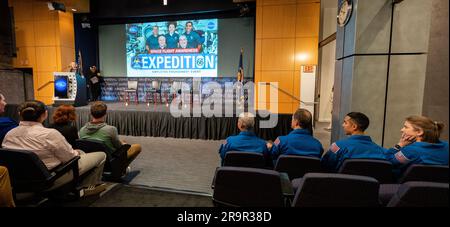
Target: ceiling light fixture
column 165, row 2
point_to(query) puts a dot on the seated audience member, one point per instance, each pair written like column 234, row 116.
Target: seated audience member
column 6, row 197
column 357, row 145
column 6, row 123
column 298, row 142
column 247, row 140
column 97, row 129
column 419, row 144
column 52, row 148
column 63, row 119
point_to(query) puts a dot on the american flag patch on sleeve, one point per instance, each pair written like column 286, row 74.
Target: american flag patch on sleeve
column 334, row 148
column 277, row 141
column 401, row 157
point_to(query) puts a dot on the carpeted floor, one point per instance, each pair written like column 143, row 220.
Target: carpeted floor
column 181, row 164
column 132, row 196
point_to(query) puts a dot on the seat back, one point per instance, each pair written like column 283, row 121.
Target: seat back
column 378, row 169
column 92, row 145
column 297, row 166
column 433, row 173
column 133, row 85
column 26, row 170
column 327, row 189
column 118, row 163
column 420, row 194
column 244, row 159
column 247, row 187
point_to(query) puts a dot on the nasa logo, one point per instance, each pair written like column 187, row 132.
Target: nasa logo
column 211, row 25
column 61, row 85
column 200, row 62
column 133, row 29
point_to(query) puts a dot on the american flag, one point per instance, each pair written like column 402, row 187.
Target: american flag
column 240, row 75
column 401, row 157
column 334, row 148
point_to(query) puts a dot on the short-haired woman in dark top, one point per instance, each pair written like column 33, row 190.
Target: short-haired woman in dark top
column 63, row 119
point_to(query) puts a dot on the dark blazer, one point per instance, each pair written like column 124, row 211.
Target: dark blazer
column 69, row 131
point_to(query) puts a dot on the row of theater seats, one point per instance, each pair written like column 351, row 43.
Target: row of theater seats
column 28, row 173
column 299, row 181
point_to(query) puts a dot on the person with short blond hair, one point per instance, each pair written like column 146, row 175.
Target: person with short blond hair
column 419, row 144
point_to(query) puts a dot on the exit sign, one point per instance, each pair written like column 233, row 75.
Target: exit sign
column 308, row 69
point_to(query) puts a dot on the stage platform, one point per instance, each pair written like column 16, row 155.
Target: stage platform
column 157, row 121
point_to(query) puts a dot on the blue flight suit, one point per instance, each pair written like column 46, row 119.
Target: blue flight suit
column 245, row 141
column 356, row 146
column 152, row 42
column 418, row 153
column 172, row 40
column 297, row 142
column 6, row 124
column 193, row 39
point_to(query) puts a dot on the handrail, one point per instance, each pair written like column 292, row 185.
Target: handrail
column 42, row 87
column 288, row 94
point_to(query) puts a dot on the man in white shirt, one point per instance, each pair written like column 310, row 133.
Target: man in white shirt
column 51, row 147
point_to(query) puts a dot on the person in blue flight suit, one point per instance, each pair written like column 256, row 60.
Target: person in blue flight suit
column 357, row 145
column 6, row 123
column 246, row 140
column 298, row 142
column 172, row 37
column 152, row 40
column 193, row 38
column 419, row 144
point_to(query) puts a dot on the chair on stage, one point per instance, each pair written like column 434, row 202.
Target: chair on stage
column 153, row 92
column 175, row 89
column 132, row 89
column 196, row 91
column 186, row 89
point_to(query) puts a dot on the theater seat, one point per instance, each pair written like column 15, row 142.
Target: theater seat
column 432, row 173
column 378, row 169
column 331, row 190
column 116, row 161
column 296, row 166
column 30, row 175
column 429, row 173
column 249, row 187
column 244, row 159
column 420, row 194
